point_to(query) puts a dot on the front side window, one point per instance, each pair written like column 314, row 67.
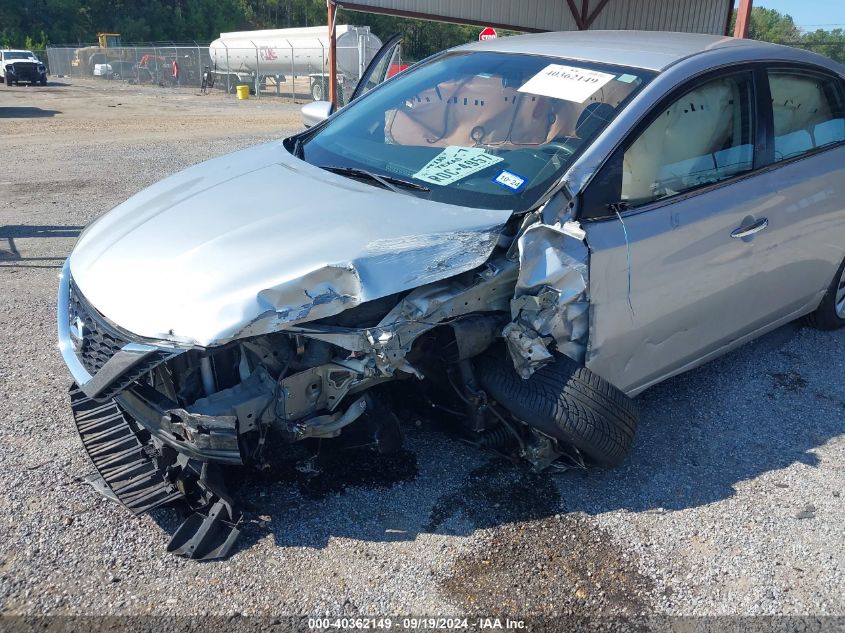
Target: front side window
column 808, row 113
column 485, row 130
column 701, row 138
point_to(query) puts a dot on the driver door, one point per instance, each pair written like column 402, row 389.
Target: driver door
column 376, row 72
column 679, row 259
column 378, row 69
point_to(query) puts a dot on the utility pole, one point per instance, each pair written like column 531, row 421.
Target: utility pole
column 332, row 11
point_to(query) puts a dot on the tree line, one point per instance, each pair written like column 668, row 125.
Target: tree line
column 769, row 25
column 37, row 23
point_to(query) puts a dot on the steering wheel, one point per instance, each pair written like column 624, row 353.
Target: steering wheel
column 557, row 146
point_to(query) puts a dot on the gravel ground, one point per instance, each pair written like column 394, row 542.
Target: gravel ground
column 731, row 502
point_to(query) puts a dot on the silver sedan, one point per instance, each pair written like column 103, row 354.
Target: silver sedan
column 521, row 234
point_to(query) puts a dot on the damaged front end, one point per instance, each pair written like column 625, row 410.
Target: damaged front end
column 162, row 419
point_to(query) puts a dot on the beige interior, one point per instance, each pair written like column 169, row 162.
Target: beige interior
column 500, row 115
column 798, row 103
column 699, row 124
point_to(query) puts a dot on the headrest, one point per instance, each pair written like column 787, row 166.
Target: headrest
column 592, row 118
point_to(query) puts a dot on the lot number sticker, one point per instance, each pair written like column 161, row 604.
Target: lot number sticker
column 510, row 180
column 455, row 163
column 566, row 82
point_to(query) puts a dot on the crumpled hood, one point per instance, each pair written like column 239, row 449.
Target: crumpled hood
column 258, row 240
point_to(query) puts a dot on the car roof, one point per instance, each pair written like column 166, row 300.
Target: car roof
column 649, row 50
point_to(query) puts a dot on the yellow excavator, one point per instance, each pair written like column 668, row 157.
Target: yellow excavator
column 85, row 58
column 108, row 40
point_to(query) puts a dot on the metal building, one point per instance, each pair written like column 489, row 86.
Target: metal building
column 694, row 16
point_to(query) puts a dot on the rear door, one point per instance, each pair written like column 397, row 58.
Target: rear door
column 806, row 182
column 680, row 265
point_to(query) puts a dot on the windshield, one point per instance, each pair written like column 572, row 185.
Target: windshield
column 17, row 55
column 488, row 130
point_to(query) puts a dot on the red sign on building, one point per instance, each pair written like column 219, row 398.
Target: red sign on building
column 487, row 34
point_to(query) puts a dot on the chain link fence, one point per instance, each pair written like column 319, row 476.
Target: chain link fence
column 289, row 71
column 285, row 70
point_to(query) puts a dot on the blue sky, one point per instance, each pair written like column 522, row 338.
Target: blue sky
column 810, row 14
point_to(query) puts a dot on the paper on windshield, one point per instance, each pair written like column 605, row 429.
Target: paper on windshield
column 455, row 163
column 566, row 82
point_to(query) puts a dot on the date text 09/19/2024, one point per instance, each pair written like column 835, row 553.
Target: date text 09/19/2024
column 387, row 623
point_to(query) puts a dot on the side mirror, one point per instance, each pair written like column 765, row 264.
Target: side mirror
column 316, row 112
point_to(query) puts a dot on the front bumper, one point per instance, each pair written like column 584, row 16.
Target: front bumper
column 25, row 76
column 206, row 439
column 128, row 463
column 121, row 454
column 119, row 370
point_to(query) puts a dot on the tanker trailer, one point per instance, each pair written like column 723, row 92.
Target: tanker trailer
column 253, row 56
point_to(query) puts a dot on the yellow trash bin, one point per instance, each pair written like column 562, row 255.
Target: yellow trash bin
column 243, row 91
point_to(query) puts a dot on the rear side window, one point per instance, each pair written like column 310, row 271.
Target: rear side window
column 705, row 136
column 808, row 113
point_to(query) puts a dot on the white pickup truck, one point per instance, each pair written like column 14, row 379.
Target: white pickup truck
column 20, row 66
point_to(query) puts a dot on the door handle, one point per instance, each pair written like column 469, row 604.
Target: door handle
column 750, row 229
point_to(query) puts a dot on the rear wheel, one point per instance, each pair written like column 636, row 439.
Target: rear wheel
column 565, row 401
column 830, row 315
column 318, row 90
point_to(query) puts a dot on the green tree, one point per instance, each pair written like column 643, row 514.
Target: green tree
column 76, row 22
column 770, row 25
column 830, row 43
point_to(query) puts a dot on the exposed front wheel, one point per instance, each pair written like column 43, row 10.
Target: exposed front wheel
column 565, row 401
column 830, row 315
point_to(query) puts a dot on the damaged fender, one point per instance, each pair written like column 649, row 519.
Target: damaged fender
column 550, row 305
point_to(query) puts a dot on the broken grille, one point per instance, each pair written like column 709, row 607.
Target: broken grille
column 98, row 341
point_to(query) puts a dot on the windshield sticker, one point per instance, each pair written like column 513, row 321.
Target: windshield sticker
column 510, row 180
column 566, row 82
column 455, row 163
column 627, row 78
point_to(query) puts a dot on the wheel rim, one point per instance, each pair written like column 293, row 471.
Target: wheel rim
column 839, row 304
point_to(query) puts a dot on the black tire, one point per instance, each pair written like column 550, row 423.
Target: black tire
column 825, row 316
column 565, row 401
column 43, row 82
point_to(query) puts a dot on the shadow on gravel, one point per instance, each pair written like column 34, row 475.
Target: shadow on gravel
column 9, row 252
column 26, row 113
column 759, row 409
